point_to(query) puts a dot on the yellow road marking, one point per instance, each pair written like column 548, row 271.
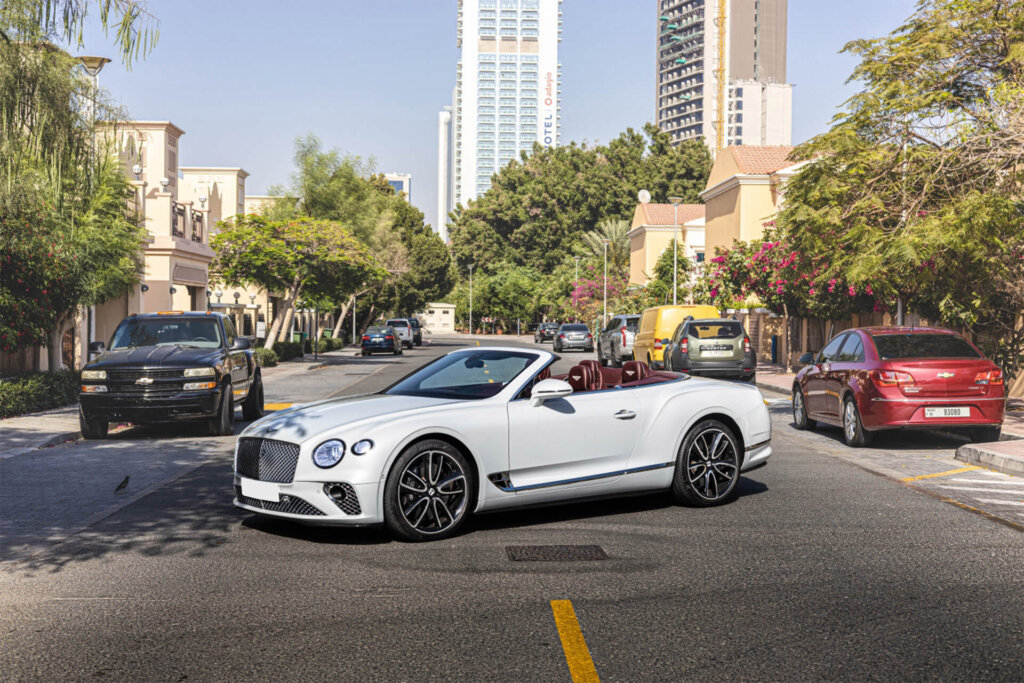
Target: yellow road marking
column 478, row 343
column 577, row 655
column 277, row 406
column 942, row 474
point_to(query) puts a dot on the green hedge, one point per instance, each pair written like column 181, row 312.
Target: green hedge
column 287, row 350
column 266, row 358
column 38, row 391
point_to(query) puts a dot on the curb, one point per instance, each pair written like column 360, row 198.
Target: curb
column 974, row 454
column 53, row 440
column 772, row 388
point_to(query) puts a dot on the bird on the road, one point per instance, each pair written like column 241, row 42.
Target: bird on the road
column 123, row 485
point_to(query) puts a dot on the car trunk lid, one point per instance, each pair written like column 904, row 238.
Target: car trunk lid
column 943, row 378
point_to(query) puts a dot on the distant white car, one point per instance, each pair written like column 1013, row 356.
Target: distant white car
column 485, row 429
column 404, row 330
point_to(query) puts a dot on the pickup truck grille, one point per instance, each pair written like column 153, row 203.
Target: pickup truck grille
column 162, row 382
column 132, row 375
column 266, row 460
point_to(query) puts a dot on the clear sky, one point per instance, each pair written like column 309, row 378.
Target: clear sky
column 243, row 78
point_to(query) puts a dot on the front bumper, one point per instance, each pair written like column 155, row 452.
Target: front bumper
column 140, row 408
column 308, row 502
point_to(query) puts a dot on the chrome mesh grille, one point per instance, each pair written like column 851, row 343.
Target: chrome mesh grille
column 267, row 460
column 289, row 504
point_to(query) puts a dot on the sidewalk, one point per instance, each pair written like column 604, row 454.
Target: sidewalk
column 25, row 433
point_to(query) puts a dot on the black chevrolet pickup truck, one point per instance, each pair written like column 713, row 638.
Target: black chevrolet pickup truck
column 163, row 367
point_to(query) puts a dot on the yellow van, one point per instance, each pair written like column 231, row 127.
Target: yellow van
column 657, row 326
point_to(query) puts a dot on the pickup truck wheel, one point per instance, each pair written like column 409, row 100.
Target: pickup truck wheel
column 224, row 423
column 92, row 429
column 252, row 408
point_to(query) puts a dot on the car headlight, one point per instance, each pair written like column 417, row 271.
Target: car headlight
column 362, row 447
column 329, row 453
column 198, row 386
column 200, row 372
column 94, row 374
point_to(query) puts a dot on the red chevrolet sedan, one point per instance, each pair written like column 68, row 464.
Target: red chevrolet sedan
column 875, row 378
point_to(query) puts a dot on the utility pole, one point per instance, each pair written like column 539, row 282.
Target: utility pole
column 604, row 317
column 471, row 298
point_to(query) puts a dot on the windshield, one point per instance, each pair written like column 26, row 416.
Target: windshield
column 198, row 332
column 465, row 375
column 892, row 346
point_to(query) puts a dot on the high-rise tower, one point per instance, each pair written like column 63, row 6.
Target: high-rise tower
column 507, row 92
column 721, row 68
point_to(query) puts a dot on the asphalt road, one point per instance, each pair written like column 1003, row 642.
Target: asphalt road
column 826, row 567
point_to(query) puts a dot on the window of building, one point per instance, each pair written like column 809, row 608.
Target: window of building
column 487, row 32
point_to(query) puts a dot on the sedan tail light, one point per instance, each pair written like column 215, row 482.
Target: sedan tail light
column 892, row 378
column 684, row 345
column 992, row 377
column 366, row 337
column 746, row 345
column 389, row 336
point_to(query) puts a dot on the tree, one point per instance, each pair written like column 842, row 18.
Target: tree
column 539, row 208
column 612, row 230
column 915, row 189
column 308, row 257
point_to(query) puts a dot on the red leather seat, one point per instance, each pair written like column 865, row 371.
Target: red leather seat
column 595, row 370
column 580, row 378
column 544, row 374
column 634, row 370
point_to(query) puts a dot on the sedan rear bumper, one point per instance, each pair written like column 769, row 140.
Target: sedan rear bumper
column 895, row 413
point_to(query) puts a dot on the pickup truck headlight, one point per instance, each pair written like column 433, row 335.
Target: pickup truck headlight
column 329, row 453
column 200, row 372
column 94, row 374
column 198, row 386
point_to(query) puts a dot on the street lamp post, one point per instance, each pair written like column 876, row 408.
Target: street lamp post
column 576, row 284
column 354, row 297
column 471, row 297
column 604, row 316
column 676, row 201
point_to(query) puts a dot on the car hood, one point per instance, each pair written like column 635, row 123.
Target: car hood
column 154, row 356
column 312, row 419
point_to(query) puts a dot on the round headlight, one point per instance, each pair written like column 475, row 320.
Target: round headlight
column 362, row 447
column 329, row 453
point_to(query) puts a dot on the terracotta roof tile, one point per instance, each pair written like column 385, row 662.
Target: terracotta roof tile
column 662, row 214
column 757, row 160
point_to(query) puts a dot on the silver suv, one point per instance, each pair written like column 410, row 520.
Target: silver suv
column 615, row 343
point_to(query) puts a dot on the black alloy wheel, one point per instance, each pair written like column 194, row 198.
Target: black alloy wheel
column 91, row 428
column 800, row 419
column 224, row 422
column 428, row 493
column 252, row 407
column 707, row 465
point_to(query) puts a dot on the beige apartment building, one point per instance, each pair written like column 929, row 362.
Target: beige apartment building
column 652, row 231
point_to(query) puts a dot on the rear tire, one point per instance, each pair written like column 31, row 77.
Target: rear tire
column 707, row 465
column 986, row 434
column 92, row 429
column 252, row 407
column 224, row 423
column 853, row 429
column 800, row 419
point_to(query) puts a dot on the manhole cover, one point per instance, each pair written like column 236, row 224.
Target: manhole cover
column 555, row 553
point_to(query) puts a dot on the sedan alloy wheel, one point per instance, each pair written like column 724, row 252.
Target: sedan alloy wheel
column 707, row 466
column 428, row 494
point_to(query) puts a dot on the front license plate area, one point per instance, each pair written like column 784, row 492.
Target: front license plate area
column 261, row 490
column 948, row 411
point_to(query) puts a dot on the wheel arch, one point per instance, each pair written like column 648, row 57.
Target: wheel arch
column 428, row 435
column 729, row 422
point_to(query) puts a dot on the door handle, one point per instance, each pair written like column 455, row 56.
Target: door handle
column 624, row 415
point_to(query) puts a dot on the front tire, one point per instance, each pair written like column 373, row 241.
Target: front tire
column 224, row 423
column 854, row 433
column 92, row 429
column 707, row 465
column 800, row 419
column 428, row 493
column 252, row 407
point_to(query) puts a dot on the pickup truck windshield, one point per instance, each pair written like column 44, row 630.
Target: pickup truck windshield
column 198, row 332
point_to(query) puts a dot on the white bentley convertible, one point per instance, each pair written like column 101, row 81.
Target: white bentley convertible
column 488, row 428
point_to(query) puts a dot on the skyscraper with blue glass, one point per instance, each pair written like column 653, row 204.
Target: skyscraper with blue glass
column 507, row 93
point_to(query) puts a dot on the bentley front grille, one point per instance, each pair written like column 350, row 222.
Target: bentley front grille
column 267, row 460
column 292, row 505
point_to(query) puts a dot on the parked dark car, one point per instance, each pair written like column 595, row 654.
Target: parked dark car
column 163, row 367
column 417, row 331
column 545, row 332
column 712, row 347
column 381, row 339
column 615, row 342
column 573, row 336
column 871, row 379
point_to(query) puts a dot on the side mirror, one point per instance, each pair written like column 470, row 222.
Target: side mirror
column 241, row 343
column 95, row 347
column 806, row 359
column 547, row 389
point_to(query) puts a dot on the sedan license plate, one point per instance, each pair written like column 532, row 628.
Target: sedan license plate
column 261, row 490
column 949, row 411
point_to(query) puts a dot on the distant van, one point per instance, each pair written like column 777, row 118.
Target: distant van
column 657, row 326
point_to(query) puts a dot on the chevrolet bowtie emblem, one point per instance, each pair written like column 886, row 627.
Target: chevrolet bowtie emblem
column 144, row 380
column 945, row 375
